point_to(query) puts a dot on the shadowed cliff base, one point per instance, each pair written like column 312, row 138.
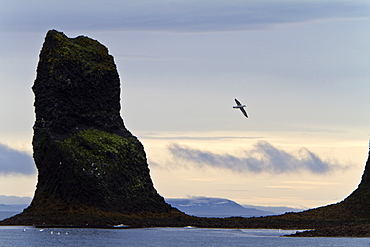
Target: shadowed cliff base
column 92, row 172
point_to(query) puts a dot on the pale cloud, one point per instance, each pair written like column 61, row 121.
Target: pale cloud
column 13, row 162
column 262, row 158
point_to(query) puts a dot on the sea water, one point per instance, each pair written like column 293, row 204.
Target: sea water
column 30, row 236
column 19, row 236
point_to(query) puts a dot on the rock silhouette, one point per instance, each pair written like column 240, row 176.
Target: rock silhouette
column 87, row 160
column 92, row 172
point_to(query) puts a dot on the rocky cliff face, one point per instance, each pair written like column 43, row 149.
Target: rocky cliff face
column 87, row 160
column 348, row 218
column 77, row 87
column 353, row 210
column 358, row 203
column 93, row 171
column 356, row 207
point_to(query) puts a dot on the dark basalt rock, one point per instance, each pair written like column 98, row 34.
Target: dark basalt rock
column 358, row 203
column 87, row 160
column 348, row 218
column 93, row 171
column 77, row 87
column 356, row 207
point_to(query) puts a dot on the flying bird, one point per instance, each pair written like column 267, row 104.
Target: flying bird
column 241, row 107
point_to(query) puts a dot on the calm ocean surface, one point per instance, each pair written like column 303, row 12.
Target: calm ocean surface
column 18, row 236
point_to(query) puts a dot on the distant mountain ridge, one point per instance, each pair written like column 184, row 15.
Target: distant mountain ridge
column 13, row 208
column 14, row 203
column 276, row 209
column 14, row 200
column 220, row 207
column 197, row 206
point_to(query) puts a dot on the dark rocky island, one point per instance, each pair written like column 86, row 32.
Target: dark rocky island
column 92, row 172
column 89, row 165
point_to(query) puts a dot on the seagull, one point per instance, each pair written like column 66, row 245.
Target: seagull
column 241, row 107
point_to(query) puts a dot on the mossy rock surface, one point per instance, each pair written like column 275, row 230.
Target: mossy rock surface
column 77, row 86
column 87, row 160
column 98, row 169
column 93, row 172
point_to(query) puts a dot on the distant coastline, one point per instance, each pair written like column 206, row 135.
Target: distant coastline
column 197, row 206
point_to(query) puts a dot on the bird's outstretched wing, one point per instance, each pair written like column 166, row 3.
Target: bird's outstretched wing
column 237, row 102
column 244, row 112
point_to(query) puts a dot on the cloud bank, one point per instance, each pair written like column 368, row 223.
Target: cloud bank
column 263, row 158
column 14, row 162
column 177, row 15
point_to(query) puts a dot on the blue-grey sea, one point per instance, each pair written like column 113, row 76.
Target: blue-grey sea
column 18, row 236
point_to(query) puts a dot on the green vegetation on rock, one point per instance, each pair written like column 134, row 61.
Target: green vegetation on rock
column 92, row 172
column 87, row 160
column 81, row 51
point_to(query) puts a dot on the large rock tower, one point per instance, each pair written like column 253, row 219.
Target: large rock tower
column 89, row 165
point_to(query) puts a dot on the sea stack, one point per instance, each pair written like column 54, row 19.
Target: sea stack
column 90, row 167
column 92, row 172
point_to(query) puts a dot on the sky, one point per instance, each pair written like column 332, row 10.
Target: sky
column 300, row 67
